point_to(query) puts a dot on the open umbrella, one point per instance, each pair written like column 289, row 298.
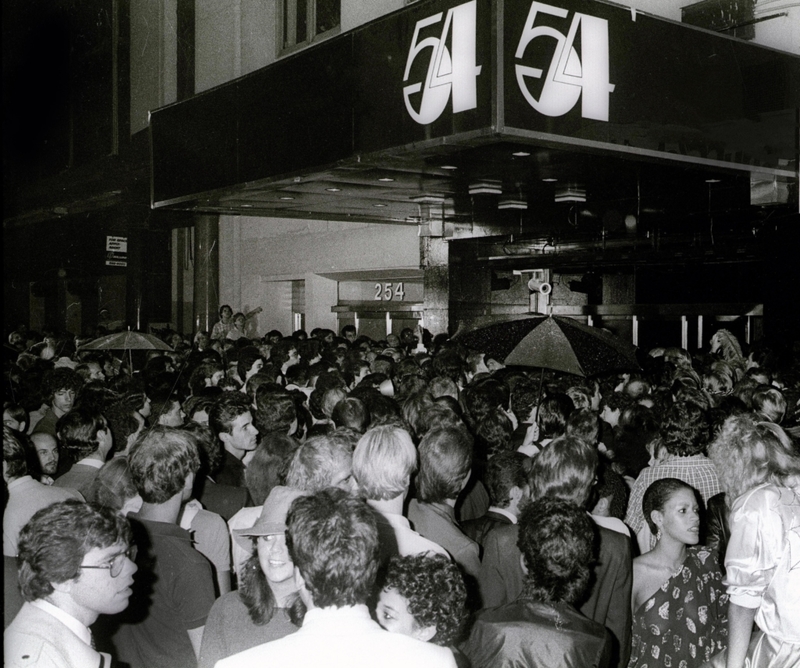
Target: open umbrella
column 128, row 340
column 553, row 342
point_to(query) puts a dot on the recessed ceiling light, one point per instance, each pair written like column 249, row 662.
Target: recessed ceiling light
column 247, row 206
column 286, row 197
column 385, row 179
column 521, row 154
column 713, row 180
column 449, row 167
column 550, row 180
column 333, row 190
column 379, row 205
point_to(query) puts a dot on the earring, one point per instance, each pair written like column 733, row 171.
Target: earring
column 658, row 534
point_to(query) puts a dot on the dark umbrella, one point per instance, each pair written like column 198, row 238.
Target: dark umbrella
column 553, row 342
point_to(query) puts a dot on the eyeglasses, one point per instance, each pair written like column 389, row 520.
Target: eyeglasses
column 115, row 566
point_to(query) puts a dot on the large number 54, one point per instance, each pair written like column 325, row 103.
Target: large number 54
column 457, row 73
column 568, row 75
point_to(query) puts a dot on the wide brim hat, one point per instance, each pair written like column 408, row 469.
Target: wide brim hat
column 273, row 517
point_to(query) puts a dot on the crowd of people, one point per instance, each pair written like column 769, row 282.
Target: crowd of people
column 330, row 500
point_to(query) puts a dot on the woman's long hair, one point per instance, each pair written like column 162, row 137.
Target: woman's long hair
column 257, row 596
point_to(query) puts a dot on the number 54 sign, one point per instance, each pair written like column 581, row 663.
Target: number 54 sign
column 455, row 74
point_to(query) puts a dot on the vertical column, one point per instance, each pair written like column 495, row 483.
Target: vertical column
column 434, row 257
column 206, row 271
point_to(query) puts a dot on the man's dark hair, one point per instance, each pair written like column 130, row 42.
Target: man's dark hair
column 504, row 471
column 445, row 458
column 77, row 432
column 54, row 542
column 275, row 411
column 553, row 414
column 351, row 413
column 524, row 396
column 611, row 484
column 685, row 429
column 332, row 538
column 247, row 357
column 225, row 410
column 121, row 422
column 448, row 364
column 556, row 539
column 60, row 378
column 160, row 460
column 565, row 469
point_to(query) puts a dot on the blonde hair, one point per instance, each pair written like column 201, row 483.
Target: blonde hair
column 383, row 462
column 747, row 453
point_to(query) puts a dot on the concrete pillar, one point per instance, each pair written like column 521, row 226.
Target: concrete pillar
column 206, row 271
column 434, row 258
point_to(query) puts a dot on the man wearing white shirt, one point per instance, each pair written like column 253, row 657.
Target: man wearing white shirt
column 333, row 542
column 67, row 584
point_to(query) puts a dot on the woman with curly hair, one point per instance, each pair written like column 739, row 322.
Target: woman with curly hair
column 678, row 602
column 266, row 605
column 542, row 628
column 423, row 596
column 759, row 470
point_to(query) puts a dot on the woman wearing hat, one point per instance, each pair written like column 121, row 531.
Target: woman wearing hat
column 266, row 606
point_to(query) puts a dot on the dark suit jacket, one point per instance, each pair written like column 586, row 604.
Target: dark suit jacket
column 532, row 633
column 478, row 529
column 609, row 602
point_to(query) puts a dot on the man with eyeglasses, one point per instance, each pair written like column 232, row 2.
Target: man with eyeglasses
column 75, row 563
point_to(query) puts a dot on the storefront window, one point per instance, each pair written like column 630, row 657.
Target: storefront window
column 306, row 20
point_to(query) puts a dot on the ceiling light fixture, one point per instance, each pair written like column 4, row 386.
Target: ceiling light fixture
column 490, row 187
column 521, row 154
column 512, row 204
column 713, row 180
column 449, row 167
column 379, row 205
column 333, row 190
column 286, row 197
column 550, row 179
column 571, row 194
column 385, row 179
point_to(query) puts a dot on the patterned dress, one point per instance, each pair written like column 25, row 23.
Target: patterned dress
column 685, row 622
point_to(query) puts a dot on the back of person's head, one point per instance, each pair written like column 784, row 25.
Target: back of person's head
column 445, row 460
column 209, row 447
column 14, row 455
column 505, row 471
column 17, row 414
column 557, row 543
column 78, row 432
column 247, row 357
column 685, row 429
column 552, row 415
column 317, row 462
column 269, row 465
column 228, row 407
column 441, row 386
column 442, row 413
column 330, row 398
column 449, row 364
column 524, row 396
column 383, row 462
column 160, row 461
column 113, row 486
column 351, row 413
column 581, row 397
column 53, row 544
column 612, row 490
column 493, row 433
column 565, row 470
column 584, row 423
column 275, row 411
column 333, row 541
column 770, row 404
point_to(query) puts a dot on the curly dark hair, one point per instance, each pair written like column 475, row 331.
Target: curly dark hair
column 685, row 429
column 60, row 378
column 557, row 540
column 435, row 593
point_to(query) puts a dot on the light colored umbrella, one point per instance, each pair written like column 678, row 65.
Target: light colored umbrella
column 128, row 340
column 553, row 342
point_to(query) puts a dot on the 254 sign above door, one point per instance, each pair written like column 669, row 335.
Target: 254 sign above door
column 455, row 74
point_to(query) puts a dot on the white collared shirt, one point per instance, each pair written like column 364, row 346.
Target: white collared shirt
column 79, row 629
column 504, row 512
column 91, row 461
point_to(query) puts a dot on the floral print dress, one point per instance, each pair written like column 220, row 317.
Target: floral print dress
column 685, row 622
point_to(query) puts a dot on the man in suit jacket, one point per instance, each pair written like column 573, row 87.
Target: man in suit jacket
column 506, row 481
column 67, row 584
column 565, row 469
column 86, row 436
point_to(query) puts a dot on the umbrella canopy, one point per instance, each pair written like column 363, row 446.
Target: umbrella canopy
column 127, row 341
column 553, row 342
